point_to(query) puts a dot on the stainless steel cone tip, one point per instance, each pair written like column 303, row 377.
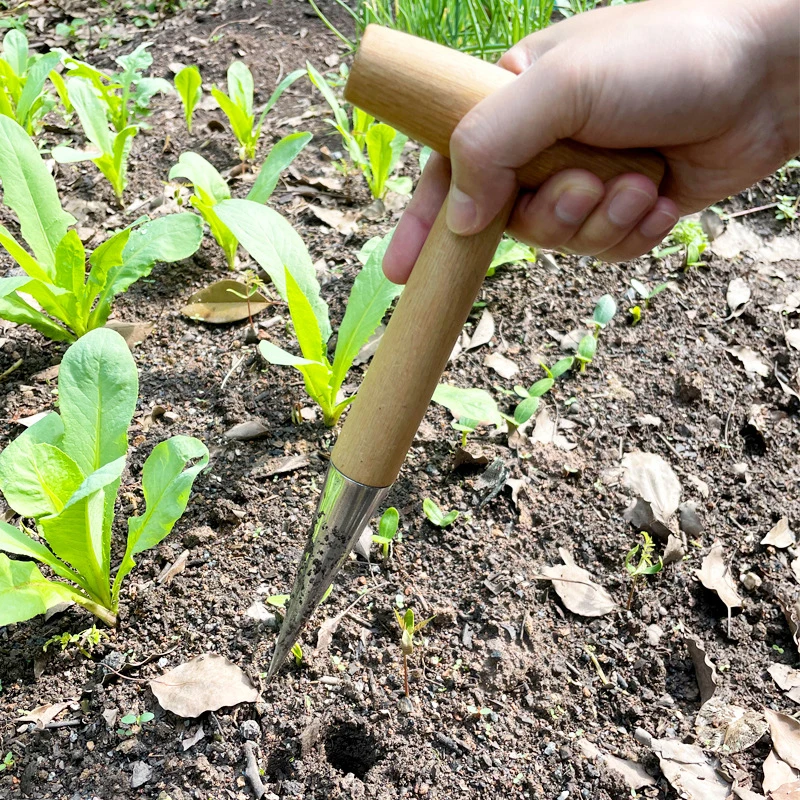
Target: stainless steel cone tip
column 345, row 508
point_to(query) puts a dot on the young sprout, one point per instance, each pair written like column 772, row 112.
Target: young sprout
column 7, row 762
column 645, row 566
column 85, row 641
column 436, row 515
column 645, row 293
column 135, row 722
column 687, row 235
column 587, row 347
column 297, row 652
column 603, row 313
column 464, row 426
column 636, row 314
column 253, row 285
column 787, row 207
column 530, row 404
column 387, row 530
column 559, row 368
column 408, row 628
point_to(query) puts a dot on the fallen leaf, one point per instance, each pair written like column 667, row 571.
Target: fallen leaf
column 132, row 332
column 789, row 791
column 140, row 774
column 244, row 431
column 715, row 575
column 734, row 240
column 787, row 679
column 674, row 551
column 750, row 360
column 218, row 304
column 725, row 728
column 579, row 593
column 704, row 669
column 484, row 331
column 545, row 431
column 280, row 465
column 463, row 459
column 700, row 485
column 777, row 772
column 653, row 480
column 793, row 337
column 634, row 775
column 795, row 565
column 364, row 543
column 785, row 732
column 206, row 683
column 370, row 347
column 690, row 772
column 192, row 740
column 781, row 248
column 503, row 366
column 791, row 611
column 259, row 612
column 790, row 304
column 740, row 793
column 737, row 297
column 171, row 570
column 650, row 420
column 780, row 536
column 326, row 631
column 43, row 715
column 344, row 222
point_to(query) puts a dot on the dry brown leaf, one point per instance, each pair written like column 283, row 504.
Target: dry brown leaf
column 791, row 611
column 700, row 485
column 705, row 671
column 579, row 593
column 674, row 551
column 484, row 331
column 218, row 304
column 785, row 732
column 652, row 480
column 503, row 366
column 790, row 304
column 716, row 576
column 789, row 791
column 690, row 772
column 280, row 465
column 734, row 240
column 171, row 570
column 750, row 359
column 345, row 222
column 244, row 431
column 777, row 772
column 787, row 679
column 725, row 728
column 737, row 297
column 545, row 431
column 43, row 715
column 793, row 338
column 780, row 536
column 192, row 740
column 131, row 332
column 205, row 683
column 634, row 775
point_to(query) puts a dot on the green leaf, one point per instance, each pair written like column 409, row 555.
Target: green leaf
column 34, row 83
column 205, row 178
column 240, row 122
column 475, row 404
column 387, row 528
column 604, row 310
column 587, row 347
column 166, row 483
column 189, row 85
column 401, row 185
column 370, row 297
column 98, row 386
column 30, row 191
column 330, row 98
column 508, row 251
column 541, row 387
column 128, row 719
column 240, row 86
column 280, row 157
column 22, row 257
column 525, row 410
column 103, row 259
column 282, row 358
column 640, row 289
column 305, row 324
column 219, row 230
column 275, row 245
column 424, row 155
column 137, row 61
column 15, row 51
column 15, row 309
column 438, row 518
column 379, row 151
column 25, row 592
column 91, row 113
column 561, row 366
column 14, row 541
column 71, row 264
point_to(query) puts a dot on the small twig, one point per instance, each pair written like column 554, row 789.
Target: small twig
column 15, row 366
column 64, row 723
column 728, row 421
column 231, row 22
column 667, row 443
column 236, row 365
column 750, row 210
column 251, row 771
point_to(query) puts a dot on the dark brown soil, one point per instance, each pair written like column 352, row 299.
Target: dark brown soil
column 339, row 726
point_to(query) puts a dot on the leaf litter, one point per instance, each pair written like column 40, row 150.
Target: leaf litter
column 716, row 576
column 574, row 585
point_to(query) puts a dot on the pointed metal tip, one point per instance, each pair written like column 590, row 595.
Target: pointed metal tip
column 344, row 510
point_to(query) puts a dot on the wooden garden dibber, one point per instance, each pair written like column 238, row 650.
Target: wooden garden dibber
column 422, row 89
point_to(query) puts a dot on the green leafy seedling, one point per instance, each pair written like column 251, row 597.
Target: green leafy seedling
column 604, row 312
column 646, row 293
column 688, row 237
column 636, row 314
column 85, row 641
column 237, row 105
column 297, row 652
column 8, row 762
column 189, row 86
column 210, row 188
column 786, row 207
column 470, row 408
column 464, row 426
column 276, row 246
column 387, row 530
column 531, row 399
column 587, row 347
column 253, row 285
column 558, row 369
column 644, row 567
column 134, row 723
column 510, row 251
column 408, row 629
column 64, row 473
column 436, row 516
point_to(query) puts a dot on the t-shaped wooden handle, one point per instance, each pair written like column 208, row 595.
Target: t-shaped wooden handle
column 424, row 89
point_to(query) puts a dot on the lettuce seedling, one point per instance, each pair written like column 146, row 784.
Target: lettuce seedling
column 189, row 86
column 64, row 473
column 276, row 246
column 71, row 301
column 22, row 81
column 210, row 188
column 408, row 629
column 436, row 516
column 509, row 251
column 108, row 152
column 646, row 293
column 786, row 207
column 688, row 237
column 387, row 530
column 373, row 147
column 237, row 105
column 125, row 96
column 469, row 406
column 645, row 566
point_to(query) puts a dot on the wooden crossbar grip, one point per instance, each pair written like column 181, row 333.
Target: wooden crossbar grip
column 424, row 89
column 413, row 353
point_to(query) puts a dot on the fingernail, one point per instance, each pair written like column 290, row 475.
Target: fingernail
column 573, row 207
column 627, row 206
column 657, row 224
column 462, row 214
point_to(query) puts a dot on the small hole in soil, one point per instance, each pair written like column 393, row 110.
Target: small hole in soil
column 350, row 748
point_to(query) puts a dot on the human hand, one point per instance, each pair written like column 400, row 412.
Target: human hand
column 713, row 85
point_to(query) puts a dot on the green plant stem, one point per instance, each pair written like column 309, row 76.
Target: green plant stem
column 405, row 673
column 109, row 617
column 630, row 595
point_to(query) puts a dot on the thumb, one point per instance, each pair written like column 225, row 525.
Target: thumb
column 505, row 131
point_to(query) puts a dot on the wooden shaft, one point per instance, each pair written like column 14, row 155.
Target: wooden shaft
column 414, row 350
column 424, row 89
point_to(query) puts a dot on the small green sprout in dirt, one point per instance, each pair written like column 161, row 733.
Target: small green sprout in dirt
column 787, row 207
column 688, row 237
column 510, row 251
column 134, row 723
column 297, row 652
column 470, row 407
column 65, row 472
column 587, row 348
column 436, row 516
column 23, row 76
column 387, row 530
column 85, row 641
column 531, row 398
column 465, row 427
column 68, row 301
column 408, row 629
column 373, row 147
column 783, row 173
column 561, row 366
column 645, row 566
column 237, row 105
column 189, row 86
column 603, row 313
column 636, row 314
column 210, row 188
column 8, row 762
column 253, row 285
column 645, row 292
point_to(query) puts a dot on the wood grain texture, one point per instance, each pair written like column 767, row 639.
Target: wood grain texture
column 412, row 355
column 424, row 89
